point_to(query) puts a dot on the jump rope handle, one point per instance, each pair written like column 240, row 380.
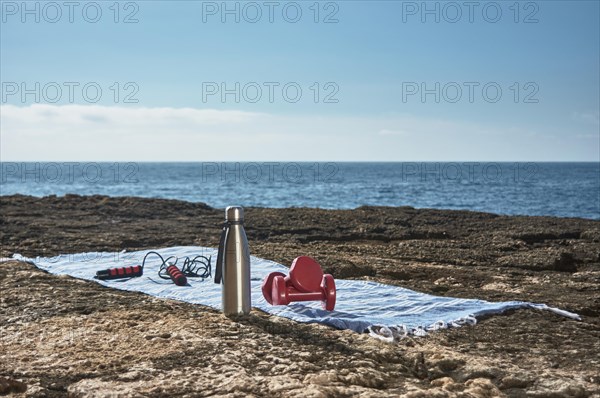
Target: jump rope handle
column 119, row 273
column 176, row 275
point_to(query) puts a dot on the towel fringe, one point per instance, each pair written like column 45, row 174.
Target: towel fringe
column 391, row 334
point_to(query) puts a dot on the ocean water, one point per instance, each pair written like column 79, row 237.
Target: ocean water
column 554, row 189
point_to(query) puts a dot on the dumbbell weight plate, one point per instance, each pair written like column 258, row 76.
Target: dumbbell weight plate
column 306, row 274
column 328, row 286
column 267, row 286
column 279, row 292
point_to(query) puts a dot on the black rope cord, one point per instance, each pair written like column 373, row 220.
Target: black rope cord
column 197, row 267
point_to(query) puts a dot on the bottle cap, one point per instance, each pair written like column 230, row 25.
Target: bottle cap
column 234, row 213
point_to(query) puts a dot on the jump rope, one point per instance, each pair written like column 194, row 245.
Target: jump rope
column 196, row 267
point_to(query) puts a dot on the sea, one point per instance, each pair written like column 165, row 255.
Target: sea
column 515, row 188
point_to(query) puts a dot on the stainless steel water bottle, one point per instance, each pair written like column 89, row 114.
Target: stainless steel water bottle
column 233, row 264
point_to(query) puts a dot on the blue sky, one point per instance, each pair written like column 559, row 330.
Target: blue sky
column 543, row 56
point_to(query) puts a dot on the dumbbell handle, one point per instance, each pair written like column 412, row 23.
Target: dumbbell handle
column 295, row 295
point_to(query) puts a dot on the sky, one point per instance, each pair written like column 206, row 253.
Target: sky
column 300, row 81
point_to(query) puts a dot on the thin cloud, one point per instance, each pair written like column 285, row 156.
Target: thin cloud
column 587, row 117
column 114, row 133
column 394, row 132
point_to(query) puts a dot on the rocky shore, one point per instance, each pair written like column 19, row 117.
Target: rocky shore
column 61, row 336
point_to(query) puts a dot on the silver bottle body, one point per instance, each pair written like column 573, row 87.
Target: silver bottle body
column 236, row 271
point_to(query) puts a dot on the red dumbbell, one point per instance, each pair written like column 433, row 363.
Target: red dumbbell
column 306, row 282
